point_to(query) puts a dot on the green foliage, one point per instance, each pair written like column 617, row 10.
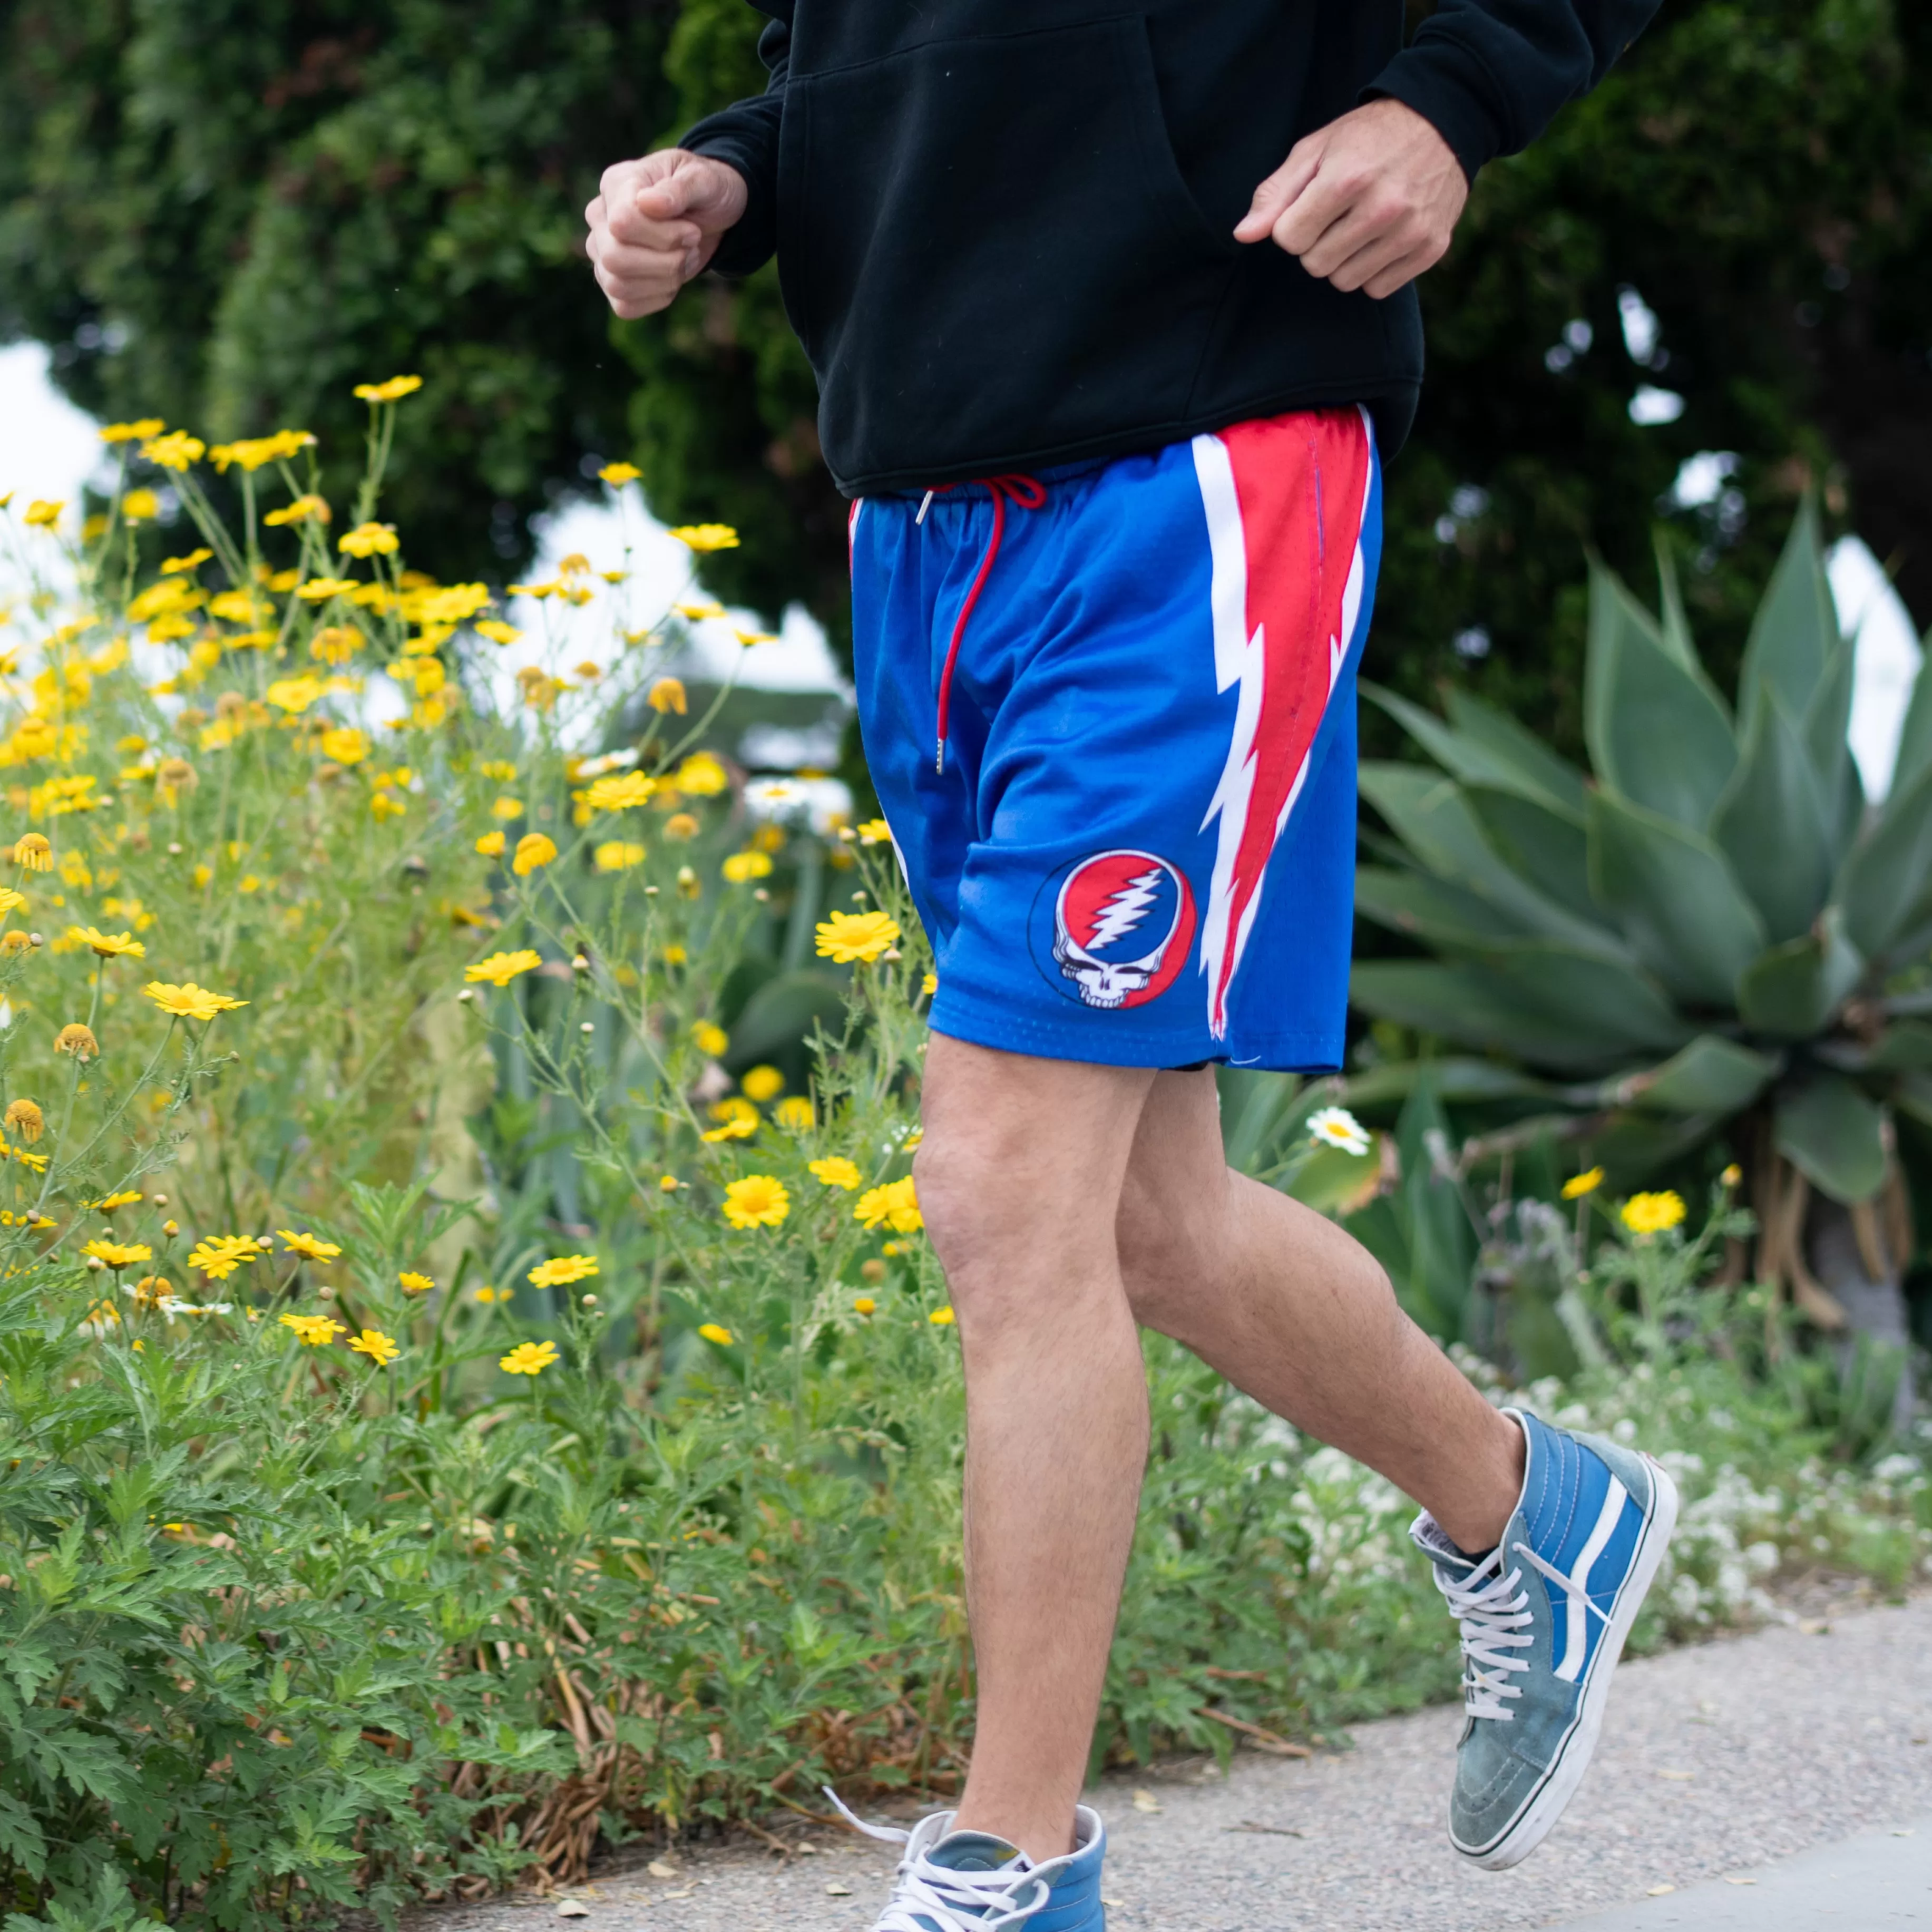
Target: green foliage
column 268, row 200
column 1716, row 924
column 229, row 215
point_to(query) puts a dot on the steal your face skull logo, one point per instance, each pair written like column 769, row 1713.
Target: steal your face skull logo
column 1123, row 921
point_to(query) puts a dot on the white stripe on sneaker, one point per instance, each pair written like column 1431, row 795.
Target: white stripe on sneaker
column 1576, row 1639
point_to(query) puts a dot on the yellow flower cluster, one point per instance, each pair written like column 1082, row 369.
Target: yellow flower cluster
column 895, row 1205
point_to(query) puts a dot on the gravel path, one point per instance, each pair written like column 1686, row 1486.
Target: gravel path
column 1716, row 1760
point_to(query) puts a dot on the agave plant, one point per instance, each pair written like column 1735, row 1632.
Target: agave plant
column 1709, row 934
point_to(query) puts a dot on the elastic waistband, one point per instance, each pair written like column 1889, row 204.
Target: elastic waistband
column 1058, row 473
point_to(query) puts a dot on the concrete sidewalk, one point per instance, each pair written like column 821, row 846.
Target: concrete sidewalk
column 1870, row 1883
column 1717, row 1763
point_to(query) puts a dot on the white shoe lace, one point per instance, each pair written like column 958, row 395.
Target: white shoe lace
column 1493, row 1610
column 927, row 1898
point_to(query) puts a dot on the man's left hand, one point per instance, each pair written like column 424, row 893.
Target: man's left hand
column 1368, row 202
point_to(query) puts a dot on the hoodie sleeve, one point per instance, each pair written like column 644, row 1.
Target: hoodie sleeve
column 745, row 136
column 1490, row 75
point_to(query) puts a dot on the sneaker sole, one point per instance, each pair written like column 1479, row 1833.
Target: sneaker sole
column 1533, row 1823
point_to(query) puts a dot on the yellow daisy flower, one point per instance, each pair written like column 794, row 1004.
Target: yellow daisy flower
column 756, row 1201
column 850, row 937
column 528, row 1358
column 562, row 1270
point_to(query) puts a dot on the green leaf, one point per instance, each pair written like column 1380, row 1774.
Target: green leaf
column 1486, row 747
column 1905, row 1044
column 1886, row 873
column 1794, row 634
column 1834, row 1134
column 1711, row 1076
column 1452, row 1080
column 1676, row 897
column 1261, row 1114
column 1674, row 631
column 779, row 1017
column 1547, row 848
column 1540, row 770
column 1658, row 734
column 1792, row 991
column 1433, row 818
column 1915, row 735
column 1550, row 1005
column 1826, row 722
column 1772, row 824
column 1430, row 909
column 21, row 1838
column 1461, row 757
column 1634, row 1147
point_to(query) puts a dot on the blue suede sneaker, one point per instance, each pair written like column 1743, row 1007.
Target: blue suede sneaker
column 1544, row 1615
column 951, row 1881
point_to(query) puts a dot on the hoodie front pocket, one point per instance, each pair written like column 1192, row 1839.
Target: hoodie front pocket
column 1034, row 170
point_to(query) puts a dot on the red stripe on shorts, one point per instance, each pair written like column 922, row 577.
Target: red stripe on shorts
column 1284, row 499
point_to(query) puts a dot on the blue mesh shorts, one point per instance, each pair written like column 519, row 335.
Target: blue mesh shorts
column 1110, row 713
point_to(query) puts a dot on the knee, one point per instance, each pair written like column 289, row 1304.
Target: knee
column 1017, row 1251
column 976, row 1199
column 1168, row 1239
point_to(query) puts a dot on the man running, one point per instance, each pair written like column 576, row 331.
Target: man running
column 1107, row 380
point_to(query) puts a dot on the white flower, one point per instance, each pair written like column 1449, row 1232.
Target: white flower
column 1337, row 1127
column 610, row 761
column 773, row 798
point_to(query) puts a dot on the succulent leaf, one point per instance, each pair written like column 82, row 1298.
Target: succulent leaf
column 1834, row 1135
column 1674, row 627
column 1546, row 847
column 1486, row 748
column 1659, row 735
column 1915, row 735
column 1711, row 1075
column 1453, row 1079
column 1541, row 771
column 1826, row 722
column 1772, row 824
column 1431, row 909
column 1792, row 991
column 1886, row 875
column 1552, row 1006
column 1433, row 819
column 1794, row 634
column 1678, row 902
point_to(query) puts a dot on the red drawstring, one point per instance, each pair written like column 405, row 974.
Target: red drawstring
column 1030, row 494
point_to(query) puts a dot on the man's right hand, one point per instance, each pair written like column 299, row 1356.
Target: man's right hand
column 656, row 223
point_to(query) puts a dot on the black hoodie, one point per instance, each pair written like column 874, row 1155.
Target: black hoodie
column 1002, row 226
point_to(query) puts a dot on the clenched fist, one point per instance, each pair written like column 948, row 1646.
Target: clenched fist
column 1368, row 202
column 656, row 223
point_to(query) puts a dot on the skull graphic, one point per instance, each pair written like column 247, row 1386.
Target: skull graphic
column 1122, row 922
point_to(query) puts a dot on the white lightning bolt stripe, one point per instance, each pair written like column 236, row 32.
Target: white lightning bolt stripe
column 1238, row 659
column 1125, row 909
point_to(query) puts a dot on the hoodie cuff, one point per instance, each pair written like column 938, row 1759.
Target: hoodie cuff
column 751, row 241
column 1452, row 89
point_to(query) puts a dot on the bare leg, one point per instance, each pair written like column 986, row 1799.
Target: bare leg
column 1297, row 1315
column 1020, row 1173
